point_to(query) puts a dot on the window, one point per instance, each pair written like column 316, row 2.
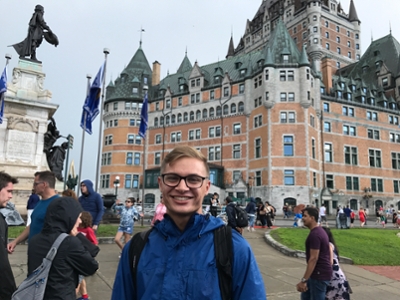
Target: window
column 198, row 115
column 236, row 175
column 180, row 101
column 349, row 54
column 352, row 183
column 236, row 128
column 226, row 91
column 105, row 181
column 329, row 181
column 241, row 88
column 211, row 112
column 136, row 160
column 129, row 158
column 314, row 179
column 158, row 139
column 258, row 178
column 211, row 132
column 327, row 126
column 291, row 117
column 131, row 139
column 327, row 46
column 326, row 107
column 288, row 147
column 290, row 76
column 376, row 185
column 348, row 111
column 191, row 116
column 191, row 135
column 210, row 153
column 350, row 155
column 395, row 161
column 138, row 140
column 197, row 97
column 266, row 75
column 326, row 24
column 289, row 177
column 179, row 119
column 337, row 29
column 198, row 134
column 157, row 158
column 218, row 131
column 198, row 82
column 375, row 158
column 233, row 108
column 106, row 159
column 313, row 148
column 236, row 151
column 258, row 148
column 327, row 35
column 108, row 140
column 328, row 152
column 283, row 117
column 115, row 107
column 393, row 120
column 349, row 130
column 338, row 39
column 283, row 97
column 135, row 182
column 212, row 95
column 373, row 134
column 396, row 186
column 241, row 107
column 168, row 103
column 219, row 111
column 226, row 109
column 173, row 137
column 155, row 122
column 192, row 98
column 128, row 181
column 291, row 97
column 282, row 75
column 185, row 117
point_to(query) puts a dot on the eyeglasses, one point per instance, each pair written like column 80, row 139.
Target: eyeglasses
column 191, row 181
column 128, row 201
column 37, row 183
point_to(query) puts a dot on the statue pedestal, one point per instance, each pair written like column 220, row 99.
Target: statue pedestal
column 27, row 110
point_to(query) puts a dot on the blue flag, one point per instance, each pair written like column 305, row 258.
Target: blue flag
column 91, row 105
column 143, row 118
column 3, row 90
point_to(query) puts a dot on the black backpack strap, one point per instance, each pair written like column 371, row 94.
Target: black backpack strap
column 223, row 258
column 136, row 247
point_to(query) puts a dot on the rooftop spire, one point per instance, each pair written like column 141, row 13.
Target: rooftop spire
column 141, row 30
column 231, row 49
column 353, row 13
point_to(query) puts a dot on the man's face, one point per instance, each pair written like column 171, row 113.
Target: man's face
column 307, row 219
column 181, row 200
column 6, row 194
column 39, row 186
column 83, row 188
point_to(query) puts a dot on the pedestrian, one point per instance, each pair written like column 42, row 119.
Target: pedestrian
column 322, row 215
column 338, row 288
column 347, row 212
column 91, row 202
column 30, row 206
column 361, row 216
column 231, row 214
column 86, row 229
column 269, row 214
column 383, row 220
column 251, row 212
column 159, row 212
column 72, row 258
column 138, row 205
column 318, row 274
column 7, row 282
column 352, row 217
column 127, row 221
column 44, row 186
column 285, row 211
column 262, row 213
column 178, row 261
column 214, row 203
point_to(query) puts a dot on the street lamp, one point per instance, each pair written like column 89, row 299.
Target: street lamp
column 116, row 185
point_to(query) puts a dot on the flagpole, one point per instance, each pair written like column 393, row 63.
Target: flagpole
column 8, row 57
column 144, row 177
column 106, row 51
column 88, row 76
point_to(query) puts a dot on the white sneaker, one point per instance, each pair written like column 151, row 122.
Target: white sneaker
column 252, row 229
column 248, row 228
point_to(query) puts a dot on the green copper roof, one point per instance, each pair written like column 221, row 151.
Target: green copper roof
column 185, row 65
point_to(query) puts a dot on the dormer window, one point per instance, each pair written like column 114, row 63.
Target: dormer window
column 135, row 90
column 260, row 63
column 161, row 93
column 385, row 81
column 238, row 65
column 285, row 58
column 217, row 79
column 145, row 80
column 242, row 72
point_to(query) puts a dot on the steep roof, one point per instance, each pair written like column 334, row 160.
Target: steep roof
column 353, row 13
column 231, row 49
column 185, row 66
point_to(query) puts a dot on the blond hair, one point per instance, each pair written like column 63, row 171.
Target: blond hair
column 184, row 152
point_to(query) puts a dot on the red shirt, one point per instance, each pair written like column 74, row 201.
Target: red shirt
column 352, row 215
column 89, row 233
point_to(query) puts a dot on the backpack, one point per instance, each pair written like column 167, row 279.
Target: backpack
column 223, row 257
column 242, row 220
column 34, row 286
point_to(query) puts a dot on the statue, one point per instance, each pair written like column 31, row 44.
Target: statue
column 37, row 25
column 55, row 159
column 51, row 136
column 72, row 182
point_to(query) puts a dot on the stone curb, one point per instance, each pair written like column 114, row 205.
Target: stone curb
column 295, row 253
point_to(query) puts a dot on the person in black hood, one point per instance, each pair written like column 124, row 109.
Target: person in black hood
column 72, row 259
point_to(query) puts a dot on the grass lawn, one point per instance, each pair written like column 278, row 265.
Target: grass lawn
column 366, row 246
column 105, row 230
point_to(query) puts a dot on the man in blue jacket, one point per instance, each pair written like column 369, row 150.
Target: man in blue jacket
column 91, row 202
column 178, row 260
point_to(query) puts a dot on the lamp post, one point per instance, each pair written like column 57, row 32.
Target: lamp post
column 116, row 185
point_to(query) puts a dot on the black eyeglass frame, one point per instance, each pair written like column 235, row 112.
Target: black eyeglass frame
column 184, row 178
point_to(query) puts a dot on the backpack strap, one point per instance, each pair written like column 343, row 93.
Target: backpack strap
column 53, row 250
column 223, row 258
column 136, row 247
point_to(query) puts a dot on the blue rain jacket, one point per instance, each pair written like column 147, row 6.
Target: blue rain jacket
column 181, row 265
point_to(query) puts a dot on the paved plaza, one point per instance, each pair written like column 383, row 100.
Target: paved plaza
column 280, row 273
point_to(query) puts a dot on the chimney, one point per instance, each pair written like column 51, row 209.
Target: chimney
column 155, row 80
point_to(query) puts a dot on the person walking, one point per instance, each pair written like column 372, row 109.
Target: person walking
column 322, row 215
column 352, row 217
column 91, row 202
column 214, row 203
column 251, row 212
column 347, row 212
column 127, row 221
column 262, row 214
column 160, row 211
column 318, row 274
column 178, row 261
column 7, row 282
column 231, row 214
column 361, row 216
column 72, row 258
column 30, row 206
column 44, row 185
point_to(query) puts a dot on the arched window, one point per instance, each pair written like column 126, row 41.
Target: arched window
column 198, row 115
column 167, row 120
column 179, row 118
column 205, row 113
column 173, row 119
column 191, row 116
column 155, row 122
column 161, row 121
column 233, row 108
column 226, row 109
column 211, row 112
column 241, row 107
column 219, row 111
column 185, row 117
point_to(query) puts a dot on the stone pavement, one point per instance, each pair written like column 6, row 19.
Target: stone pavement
column 280, row 273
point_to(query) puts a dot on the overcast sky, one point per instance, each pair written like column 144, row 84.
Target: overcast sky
column 85, row 27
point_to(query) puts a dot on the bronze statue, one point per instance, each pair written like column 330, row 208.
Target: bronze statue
column 51, row 136
column 55, row 159
column 37, row 25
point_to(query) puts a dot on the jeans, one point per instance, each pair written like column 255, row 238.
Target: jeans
column 252, row 218
column 316, row 289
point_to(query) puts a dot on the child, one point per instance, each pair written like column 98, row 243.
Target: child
column 127, row 213
column 383, row 220
column 86, row 229
column 352, row 217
